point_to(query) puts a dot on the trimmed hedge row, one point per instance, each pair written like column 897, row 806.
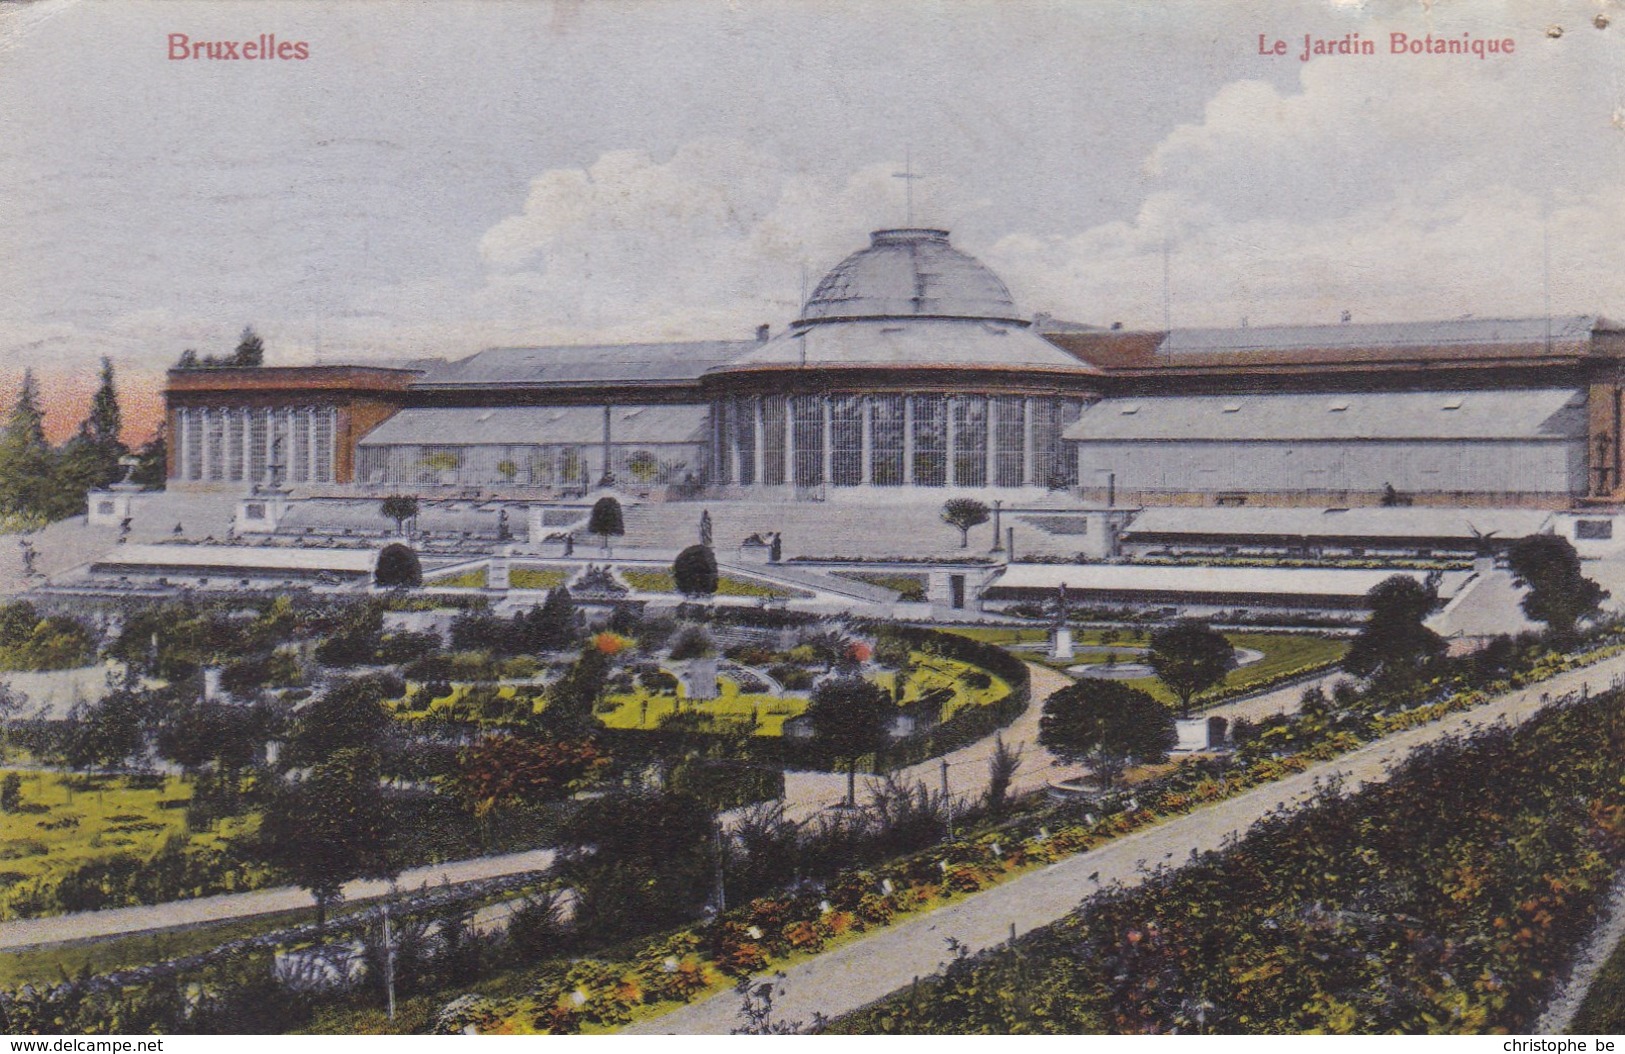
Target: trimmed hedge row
column 968, row 725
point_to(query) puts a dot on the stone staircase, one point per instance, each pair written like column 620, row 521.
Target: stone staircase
column 830, row 530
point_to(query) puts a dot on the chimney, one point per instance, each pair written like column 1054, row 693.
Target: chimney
column 762, row 333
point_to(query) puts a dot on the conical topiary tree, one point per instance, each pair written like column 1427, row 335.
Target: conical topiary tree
column 606, row 520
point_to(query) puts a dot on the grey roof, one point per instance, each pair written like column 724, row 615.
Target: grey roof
column 915, row 342
column 515, row 425
column 1523, row 414
column 588, row 364
column 1213, row 581
column 1564, row 328
column 1373, row 523
column 910, row 272
column 239, row 558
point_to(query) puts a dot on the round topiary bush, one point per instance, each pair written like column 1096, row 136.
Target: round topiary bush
column 398, row 568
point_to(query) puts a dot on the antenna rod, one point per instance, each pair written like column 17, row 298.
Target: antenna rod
column 908, row 177
column 1167, row 304
column 1546, row 268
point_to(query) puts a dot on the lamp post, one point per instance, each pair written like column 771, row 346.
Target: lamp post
column 998, row 507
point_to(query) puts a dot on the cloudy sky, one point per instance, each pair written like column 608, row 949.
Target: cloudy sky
column 442, row 177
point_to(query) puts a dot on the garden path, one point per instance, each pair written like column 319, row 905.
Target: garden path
column 856, row 974
column 807, row 794
column 88, row 925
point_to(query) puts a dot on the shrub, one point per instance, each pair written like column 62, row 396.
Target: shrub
column 693, row 642
column 398, row 568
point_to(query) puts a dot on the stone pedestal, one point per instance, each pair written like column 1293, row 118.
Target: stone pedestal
column 700, row 680
column 110, row 507
column 1060, row 642
column 496, row 573
column 259, row 513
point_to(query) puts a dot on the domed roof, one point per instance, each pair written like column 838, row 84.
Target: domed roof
column 910, row 272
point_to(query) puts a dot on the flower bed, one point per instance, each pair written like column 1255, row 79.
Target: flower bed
column 1444, row 901
column 759, row 935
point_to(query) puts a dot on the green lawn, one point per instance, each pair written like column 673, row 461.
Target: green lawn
column 909, row 587
column 645, row 580
column 764, row 715
column 466, row 580
column 60, row 829
column 1284, row 654
column 538, row 577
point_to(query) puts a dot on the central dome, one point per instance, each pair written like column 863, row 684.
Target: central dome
column 910, row 272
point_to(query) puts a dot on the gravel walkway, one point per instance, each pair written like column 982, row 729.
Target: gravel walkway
column 860, row 973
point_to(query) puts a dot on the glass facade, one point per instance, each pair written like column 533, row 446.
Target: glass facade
column 884, row 440
column 242, row 445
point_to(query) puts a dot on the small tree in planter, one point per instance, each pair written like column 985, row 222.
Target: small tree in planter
column 606, row 520
column 962, row 514
column 401, row 508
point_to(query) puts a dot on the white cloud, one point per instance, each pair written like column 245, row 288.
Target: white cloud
column 1395, row 188
column 707, row 243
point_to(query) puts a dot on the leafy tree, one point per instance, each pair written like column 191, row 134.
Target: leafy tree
column 400, row 508
column 90, row 459
column 348, row 716
column 1394, row 645
column 250, row 349
column 398, row 568
column 105, row 421
column 329, row 828
column 507, row 770
column 111, row 732
column 962, row 514
column 11, row 703
column 1107, row 724
column 153, row 471
column 1190, row 657
column 554, row 623
column 695, row 570
column 571, row 698
column 606, row 520
column 852, row 717
column 1559, row 595
column 638, row 862
column 188, row 360
column 11, row 792
column 1001, row 772
column 27, row 466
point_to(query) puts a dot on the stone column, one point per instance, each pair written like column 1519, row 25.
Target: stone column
column 829, row 444
column 950, row 470
column 731, row 422
column 204, row 416
column 247, row 417
column 1027, row 452
column 789, row 441
column 758, row 454
column 867, row 442
column 992, row 426
column 908, row 440
column 310, row 444
column 183, row 431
